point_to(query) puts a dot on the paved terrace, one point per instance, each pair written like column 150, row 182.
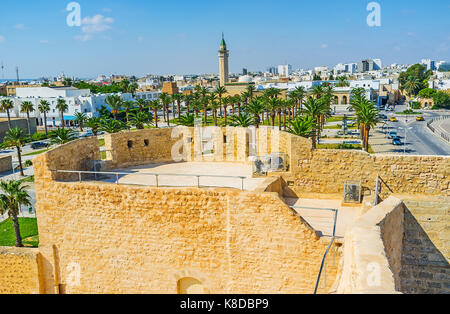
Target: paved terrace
column 227, row 175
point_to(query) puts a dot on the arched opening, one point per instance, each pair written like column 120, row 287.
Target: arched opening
column 344, row 100
column 190, row 285
column 336, row 100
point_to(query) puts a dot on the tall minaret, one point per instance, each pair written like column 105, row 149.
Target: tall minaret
column 223, row 62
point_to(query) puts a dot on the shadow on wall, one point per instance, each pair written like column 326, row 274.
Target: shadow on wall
column 424, row 269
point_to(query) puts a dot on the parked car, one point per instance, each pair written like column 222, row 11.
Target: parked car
column 38, row 145
column 393, row 119
column 396, row 141
column 392, row 135
column 420, row 118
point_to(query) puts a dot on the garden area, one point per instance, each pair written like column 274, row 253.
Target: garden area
column 28, row 231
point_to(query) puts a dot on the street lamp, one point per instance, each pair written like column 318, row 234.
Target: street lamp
column 404, row 144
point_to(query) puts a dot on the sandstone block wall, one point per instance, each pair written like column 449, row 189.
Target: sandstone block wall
column 5, row 164
column 20, row 271
column 142, row 240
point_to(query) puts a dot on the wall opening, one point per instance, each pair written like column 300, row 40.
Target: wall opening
column 130, row 144
column 190, row 285
column 146, row 143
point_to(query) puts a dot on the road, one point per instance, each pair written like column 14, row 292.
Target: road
column 419, row 139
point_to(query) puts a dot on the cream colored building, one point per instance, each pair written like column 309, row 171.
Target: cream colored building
column 223, row 63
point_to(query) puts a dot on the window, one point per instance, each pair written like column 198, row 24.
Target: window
column 146, row 143
column 130, row 144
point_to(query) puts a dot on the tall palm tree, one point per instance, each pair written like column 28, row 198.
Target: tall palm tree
column 141, row 103
column 214, row 105
column 251, row 89
column 112, row 126
column 80, row 118
column 27, row 107
column 44, row 107
column 13, row 195
column 342, row 82
column 187, row 120
column 178, row 98
column 7, row 105
column 220, row 92
column 317, row 91
column 128, row 105
column 155, row 106
column 165, row 101
column 62, row 107
column 314, row 108
column 368, row 117
column 298, row 94
column 188, row 99
column 15, row 137
column 115, row 103
column 271, row 106
column 256, row 107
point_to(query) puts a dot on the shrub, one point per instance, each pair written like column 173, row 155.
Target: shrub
column 39, row 136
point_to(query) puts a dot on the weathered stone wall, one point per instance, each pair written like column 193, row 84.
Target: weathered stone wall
column 371, row 251
column 426, row 247
column 5, row 164
column 142, row 240
column 19, row 271
column 17, row 123
column 325, row 171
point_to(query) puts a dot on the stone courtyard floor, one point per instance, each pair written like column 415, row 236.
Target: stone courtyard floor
column 137, row 175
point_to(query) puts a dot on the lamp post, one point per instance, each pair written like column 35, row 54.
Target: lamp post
column 404, row 144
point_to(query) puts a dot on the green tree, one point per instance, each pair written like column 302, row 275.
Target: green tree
column 27, row 107
column 302, row 126
column 187, row 120
column 427, row 93
column 165, row 101
column 417, row 73
column 62, row 107
column 256, row 108
column 368, row 117
column 140, row 119
column 314, row 109
column 15, row 137
column 80, row 118
column 7, row 105
column 94, row 124
column 63, row 136
column 127, row 105
column 44, row 107
column 155, row 106
column 13, row 195
column 243, row 120
column 441, row 100
column 112, row 126
column 115, row 104
column 178, row 98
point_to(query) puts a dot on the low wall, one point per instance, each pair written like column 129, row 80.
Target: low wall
column 20, row 271
column 5, row 164
column 372, row 251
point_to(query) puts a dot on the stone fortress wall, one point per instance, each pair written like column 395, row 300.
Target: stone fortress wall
column 110, row 231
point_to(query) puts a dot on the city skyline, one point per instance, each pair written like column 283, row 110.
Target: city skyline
column 180, row 38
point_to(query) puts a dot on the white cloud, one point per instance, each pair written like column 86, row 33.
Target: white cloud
column 20, row 27
column 2, row 39
column 94, row 25
column 324, row 46
column 140, row 39
column 44, row 41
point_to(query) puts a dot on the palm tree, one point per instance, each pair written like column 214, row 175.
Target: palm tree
column 412, row 86
column 243, row 120
column 314, row 108
column 13, row 195
column 251, row 89
column 132, row 88
column 197, row 106
column 298, row 94
column 62, row 107
column 302, row 126
column 155, row 106
column 95, row 124
column 368, row 117
column 112, row 126
column 214, row 105
column 342, row 82
column 187, row 120
column 271, row 105
column 44, row 107
column 15, row 137
column 256, row 107
column 165, row 101
column 63, row 136
column 317, row 91
column 128, row 105
column 115, row 103
column 220, row 91
column 188, row 99
column 141, row 103
column 27, row 107
column 7, row 105
column 140, row 119
column 178, row 98
column 80, row 118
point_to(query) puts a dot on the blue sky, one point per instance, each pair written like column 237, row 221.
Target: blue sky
column 179, row 36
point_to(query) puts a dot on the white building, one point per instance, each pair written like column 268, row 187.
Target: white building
column 430, row 64
column 77, row 100
column 284, row 70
